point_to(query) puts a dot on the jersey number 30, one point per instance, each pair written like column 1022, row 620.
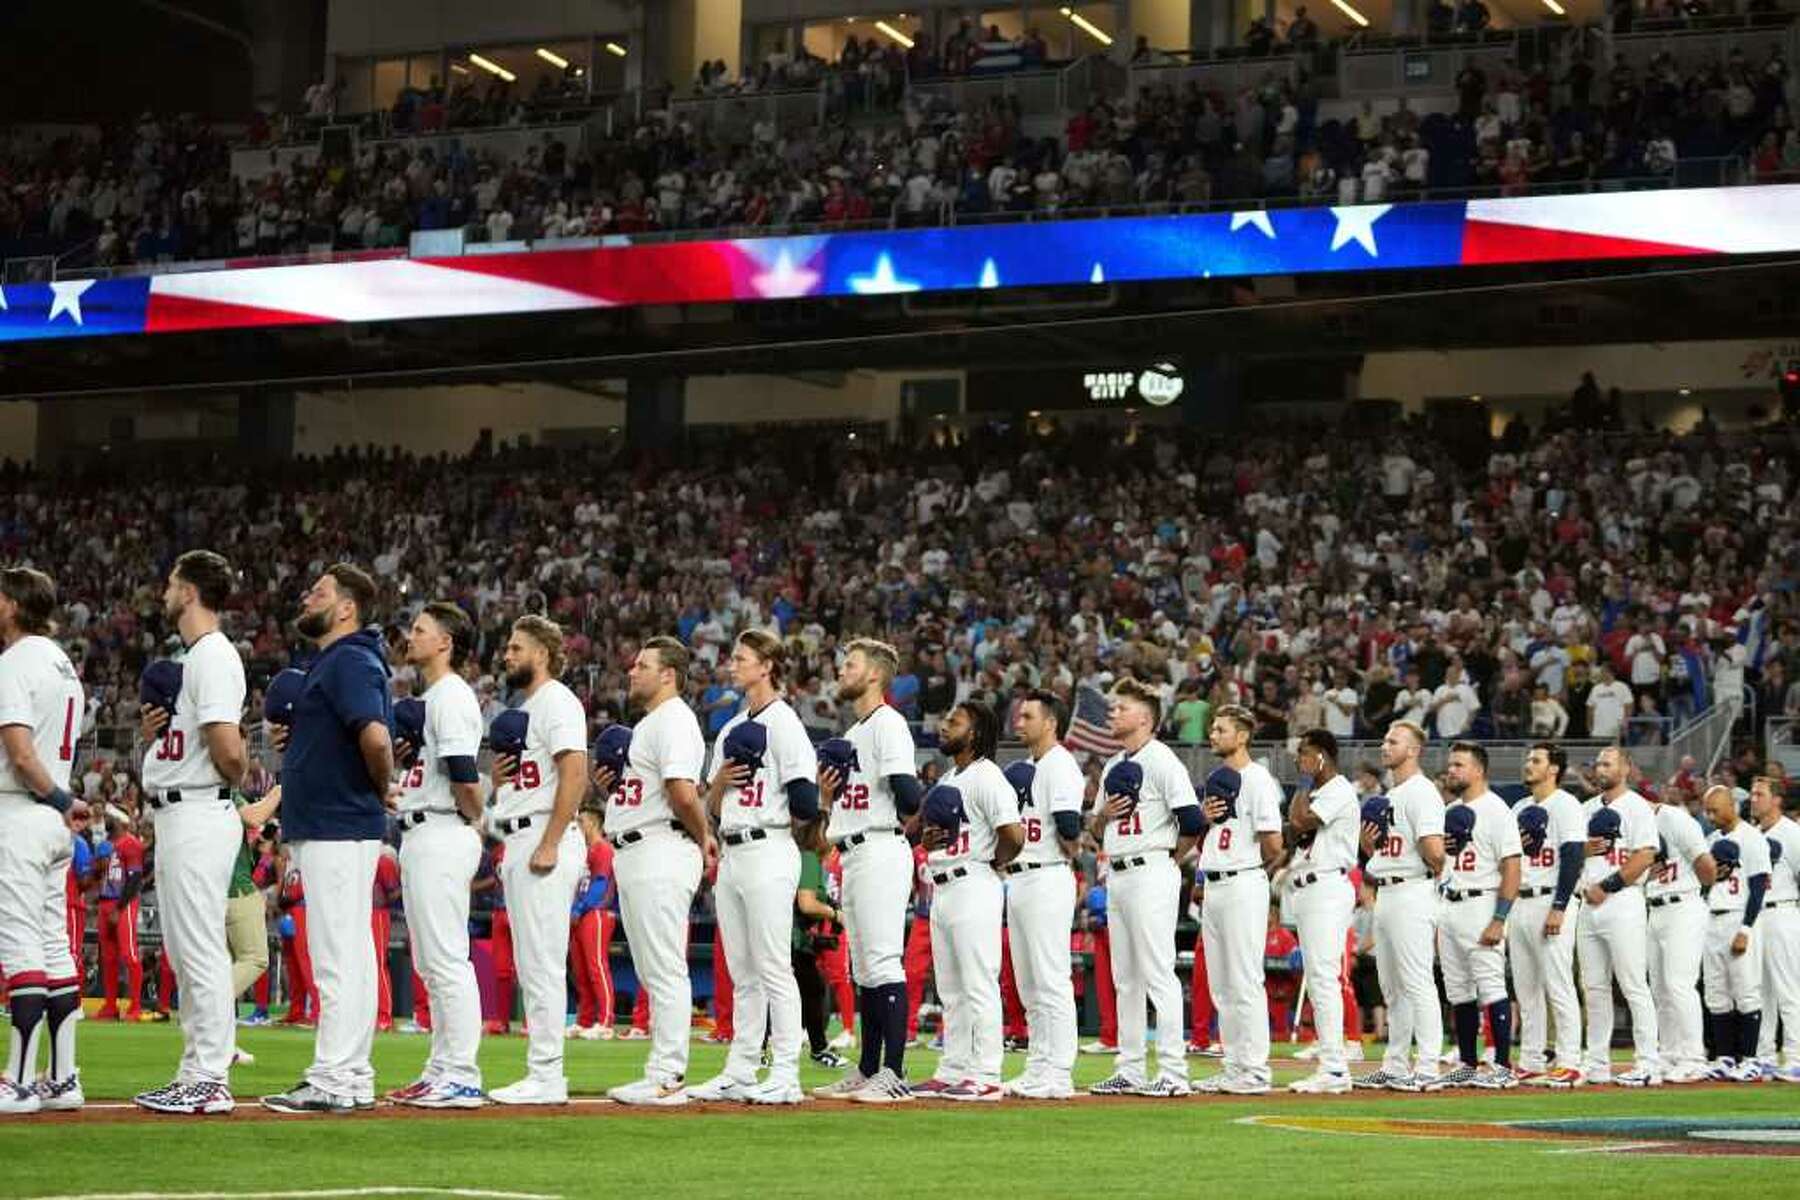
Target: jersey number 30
column 172, row 747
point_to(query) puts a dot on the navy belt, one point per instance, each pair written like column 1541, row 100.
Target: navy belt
column 1456, row 897
column 857, row 839
column 1768, row 904
column 1132, row 863
column 176, row 796
column 637, row 835
column 745, row 836
column 416, row 818
column 1221, row 876
column 513, row 825
column 1534, row 893
column 1390, row 880
column 1313, row 877
column 1660, row 901
column 1019, row 868
column 954, row 873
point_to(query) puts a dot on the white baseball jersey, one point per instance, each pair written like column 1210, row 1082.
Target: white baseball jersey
column 1418, row 813
column 1333, row 847
column 666, row 745
column 452, row 730
column 1686, row 842
column 1637, row 831
column 1733, row 894
column 884, row 746
column 40, row 690
column 1784, row 876
column 1151, row 825
column 1496, row 839
column 790, row 756
column 1566, row 825
column 1057, row 786
column 1230, row 845
column 989, row 802
column 212, row 692
column 556, row 724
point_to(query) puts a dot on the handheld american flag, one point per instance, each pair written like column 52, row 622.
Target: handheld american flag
column 1089, row 727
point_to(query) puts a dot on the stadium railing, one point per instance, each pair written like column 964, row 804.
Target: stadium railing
column 1781, row 744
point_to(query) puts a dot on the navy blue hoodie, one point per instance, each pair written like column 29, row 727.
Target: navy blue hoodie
column 326, row 792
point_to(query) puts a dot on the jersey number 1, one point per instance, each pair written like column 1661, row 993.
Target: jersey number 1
column 66, row 751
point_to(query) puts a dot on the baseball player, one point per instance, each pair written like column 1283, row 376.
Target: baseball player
column 81, row 868
column 382, row 899
column 540, row 776
column 41, row 705
column 972, row 828
column 764, row 788
column 1779, row 931
column 869, row 784
column 336, row 765
column 1610, row 932
column 1327, row 814
column 1540, row 937
column 121, row 885
column 1148, row 822
column 1732, row 968
column 439, row 802
column 196, row 760
column 1406, row 851
column 1481, row 844
column 1677, row 934
column 591, row 925
column 1040, row 896
column 663, row 844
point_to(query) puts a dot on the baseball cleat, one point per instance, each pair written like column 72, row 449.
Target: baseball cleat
column 1307, row 1052
column 411, row 1091
column 1748, row 1070
column 242, row 1058
column 1495, row 1078
column 775, row 1091
column 649, row 1093
column 719, row 1088
column 16, row 1100
column 1212, row 1084
column 930, row 1089
column 971, row 1092
column 884, row 1087
column 1098, row 1048
column 1719, row 1069
column 59, row 1095
column 1531, row 1076
column 445, row 1094
column 1043, row 1089
column 1377, row 1080
column 533, row 1091
column 1688, row 1073
column 1787, row 1074
column 1409, row 1083
column 1244, row 1083
column 1353, row 1050
column 1165, row 1087
column 303, row 1098
column 188, row 1099
column 1012, row 1086
column 830, row 1059
column 1562, row 1078
column 1322, row 1083
column 853, row 1081
column 1115, row 1085
column 843, row 1041
column 1461, row 1077
column 634, row 1034
column 1638, row 1079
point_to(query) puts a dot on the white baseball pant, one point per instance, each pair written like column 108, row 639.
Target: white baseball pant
column 1677, row 934
column 1610, row 944
column 965, row 960
column 754, row 901
column 1543, row 970
column 1234, row 923
column 1040, row 909
column 197, row 844
column 35, row 849
column 340, row 885
column 1779, row 929
column 538, row 908
column 1322, row 911
column 657, row 877
column 1405, row 939
column 878, row 876
column 1731, row 981
column 438, row 861
column 1141, row 906
column 1473, row 973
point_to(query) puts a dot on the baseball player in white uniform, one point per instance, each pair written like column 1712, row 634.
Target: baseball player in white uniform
column 1480, row 888
column 867, row 799
column 1611, row 932
column 41, row 706
column 1540, row 936
column 1327, row 815
column 196, row 758
column 1779, row 930
column 1040, row 899
column 536, row 793
column 1404, row 861
column 1732, row 967
column 763, row 787
column 439, row 802
column 1677, row 932
column 657, row 823
column 972, row 829
column 1144, row 837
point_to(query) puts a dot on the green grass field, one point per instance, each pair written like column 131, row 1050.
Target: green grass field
column 1115, row 1149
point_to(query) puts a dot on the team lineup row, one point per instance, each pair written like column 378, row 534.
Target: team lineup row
column 1632, row 891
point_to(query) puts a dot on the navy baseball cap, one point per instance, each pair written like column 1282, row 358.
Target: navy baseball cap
column 160, row 684
column 1774, row 852
column 409, row 723
column 1459, row 825
column 1605, row 824
column 1020, row 774
column 1727, row 856
column 944, row 807
column 1534, row 826
column 282, row 694
column 1225, row 783
column 612, row 749
column 839, row 754
column 507, row 734
column 1379, row 812
column 1126, row 778
column 746, row 743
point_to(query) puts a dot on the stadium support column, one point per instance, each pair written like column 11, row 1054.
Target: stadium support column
column 655, row 412
column 287, row 42
column 265, row 424
column 1214, row 395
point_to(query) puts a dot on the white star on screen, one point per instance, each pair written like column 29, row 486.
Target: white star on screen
column 1097, row 275
column 1257, row 218
column 1358, row 225
column 66, row 298
column 990, row 275
column 784, row 280
column 882, row 281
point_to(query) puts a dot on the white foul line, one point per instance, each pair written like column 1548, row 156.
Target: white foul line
column 471, row 1193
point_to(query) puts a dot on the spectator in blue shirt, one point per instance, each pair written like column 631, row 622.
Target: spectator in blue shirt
column 335, row 768
column 720, row 702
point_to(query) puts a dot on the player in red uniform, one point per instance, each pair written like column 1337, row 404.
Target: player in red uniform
column 500, row 946
column 1106, row 996
column 381, row 925
column 1202, row 1014
column 119, row 888
column 84, row 872
column 303, row 994
column 1282, row 976
column 590, row 936
column 917, row 961
column 834, row 964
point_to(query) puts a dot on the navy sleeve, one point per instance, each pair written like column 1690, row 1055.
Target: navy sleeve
column 1068, row 825
column 908, row 791
column 1569, row 859
column 461, row 768
column 356, row 688
column 803, row 799
column 1753, row 903
column 1190, row 820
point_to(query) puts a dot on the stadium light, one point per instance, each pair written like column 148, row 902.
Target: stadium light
column 1088, row 27
column 554, row 59
column 895, row 34
column 1556, row 8
column 458, row 69
column 1350, row 11
column 616, row 50
column 492, row 68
